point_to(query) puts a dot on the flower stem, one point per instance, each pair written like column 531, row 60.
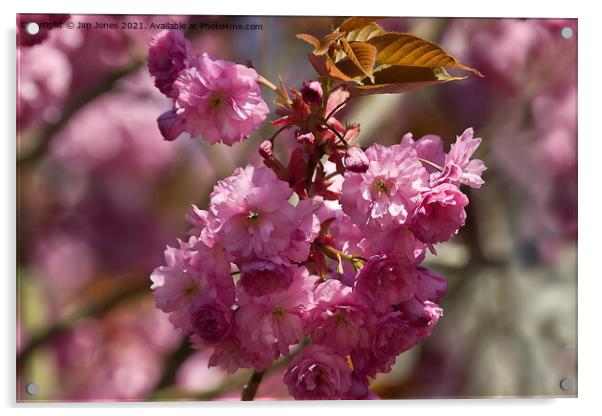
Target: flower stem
column 332, row 175
column 335, row 131
column 250, row 389
column 267, row 83
column 339, row 135
column 335, row 254
column 280, row 130
column 431, row 164
column 334, row 110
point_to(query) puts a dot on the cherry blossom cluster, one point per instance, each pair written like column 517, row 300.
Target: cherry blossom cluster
column 216, row 99
column 318, row 258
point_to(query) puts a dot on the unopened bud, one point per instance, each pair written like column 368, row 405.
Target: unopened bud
column 312, row 92
column 265, row 149
column 305, row 137
column 356, row 160
column 171, row 125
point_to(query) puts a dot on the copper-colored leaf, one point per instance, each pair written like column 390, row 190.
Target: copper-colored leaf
column 313, row 41
column 327, row 42
column 362, row 54
column 398, row 78
column 351, row 70
column 364, row 33
column 324, row 66
column 359, row 34
column 320, row 47
column 370, row 61
column 354, row 23
column 411, row 51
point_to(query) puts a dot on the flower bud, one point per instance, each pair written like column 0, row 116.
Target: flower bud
column 305, row 137
column 356, row 160
column 312, row 92
column 265, row 149
column 171, row 125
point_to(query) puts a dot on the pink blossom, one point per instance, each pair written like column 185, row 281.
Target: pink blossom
column 233, row 353
column 227, row 354
column 395, row 241
column 459, row 168
column 429, row 147
column 359, row 387
column 431, row 286
column 198, row 219
column 219, row 100
column 393, row 335
column 213, row 259
column 338, row 320
column 179, row 288
column 276, row 319
column 312, row 92
column 356, row 160
column 385, row 281
column 248, row 221
column 369, row 362
column 211, row 321
column 440, row 214
column 168, row 54
column 308, row 228
column 346, row 237
column 318, row 373
column 262, row 277
column 388, row 192
column 395, row 332
column 422, row 316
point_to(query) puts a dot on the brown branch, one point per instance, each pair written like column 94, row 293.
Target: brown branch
column 172, row 364
column 250, row 389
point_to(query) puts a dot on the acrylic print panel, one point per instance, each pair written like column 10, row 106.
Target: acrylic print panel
column 279, row 208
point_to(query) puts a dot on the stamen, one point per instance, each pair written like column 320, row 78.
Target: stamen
column 278, row 313
column 253, row 216
column 381, row 186
column 216, row 100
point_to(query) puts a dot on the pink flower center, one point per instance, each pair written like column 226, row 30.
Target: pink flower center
column 191, row 289
column 253, row 217
column 380, row 186
column 341, row 317
column 278, row 313
column 216, row 99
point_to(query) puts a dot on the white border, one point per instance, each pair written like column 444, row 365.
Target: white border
column 590, row 139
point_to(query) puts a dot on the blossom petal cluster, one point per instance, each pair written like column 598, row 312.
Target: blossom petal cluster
column 318, row 260
column 218, row 100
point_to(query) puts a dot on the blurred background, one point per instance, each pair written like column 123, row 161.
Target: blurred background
column 100, row 194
